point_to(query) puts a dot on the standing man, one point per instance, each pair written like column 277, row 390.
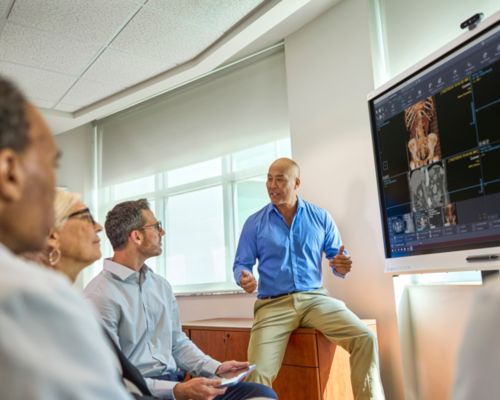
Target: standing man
column 139, row 310
column 51, row 346
column 288, row 237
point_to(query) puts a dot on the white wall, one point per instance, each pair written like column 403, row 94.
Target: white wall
column 414, row 29
column 76, row 164
column 329, row 74
column 439, row 314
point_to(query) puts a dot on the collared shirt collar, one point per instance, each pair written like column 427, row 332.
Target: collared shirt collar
column 120, row 270
column 272, row 207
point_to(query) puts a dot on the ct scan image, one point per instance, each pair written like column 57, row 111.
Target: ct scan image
column 418, row 197
column 397, row 225
column 428, row 187
column 437, row 194
column 423, row 142
column 421, row 221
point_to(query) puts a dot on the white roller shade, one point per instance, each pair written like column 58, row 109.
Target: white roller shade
column 237, row 108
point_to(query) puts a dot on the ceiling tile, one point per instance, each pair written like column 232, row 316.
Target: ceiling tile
column 218, row 15
column 122, row 69
column 94, row 21
column 86, row 92
column 155, row 34
column 31, row 47
column 37, row 83
column 4, row 8
column 42, row 103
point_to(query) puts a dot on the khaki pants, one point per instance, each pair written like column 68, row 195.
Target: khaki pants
column 276, row 319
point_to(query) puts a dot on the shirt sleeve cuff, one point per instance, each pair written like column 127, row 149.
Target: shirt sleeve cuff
column 210, row 367
column 161, row 389
column 337, row 273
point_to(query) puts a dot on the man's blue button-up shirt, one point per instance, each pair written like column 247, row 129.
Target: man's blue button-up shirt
column 289, row 257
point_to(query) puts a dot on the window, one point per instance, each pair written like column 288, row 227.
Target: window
column 203, row 207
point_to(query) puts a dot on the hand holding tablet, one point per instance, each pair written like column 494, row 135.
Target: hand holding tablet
column 226, row 382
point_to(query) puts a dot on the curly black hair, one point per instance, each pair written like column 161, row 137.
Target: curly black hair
column 14, row 125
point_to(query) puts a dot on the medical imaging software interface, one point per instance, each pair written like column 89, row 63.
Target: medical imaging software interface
column 438, row 146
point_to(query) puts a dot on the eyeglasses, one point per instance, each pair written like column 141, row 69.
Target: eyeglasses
column 156, row 225
column 84, row 214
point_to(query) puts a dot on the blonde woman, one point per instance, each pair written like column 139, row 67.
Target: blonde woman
column 72, row 245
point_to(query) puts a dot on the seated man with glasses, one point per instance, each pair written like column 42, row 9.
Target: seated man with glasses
column 139, row 310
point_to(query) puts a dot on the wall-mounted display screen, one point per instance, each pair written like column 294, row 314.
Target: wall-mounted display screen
column 436, row 136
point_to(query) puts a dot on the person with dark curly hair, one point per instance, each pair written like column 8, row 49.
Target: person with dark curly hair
column 51, row 346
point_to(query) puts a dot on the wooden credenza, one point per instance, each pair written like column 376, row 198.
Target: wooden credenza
column 313, row 367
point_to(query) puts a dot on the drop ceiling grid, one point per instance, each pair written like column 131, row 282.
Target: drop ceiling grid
column 38, row 49
column 219, row 15
column 86, row 92
column 67, row 54
column 37, row 83
column 164, row 37
column 123, row 69
column 87, row 21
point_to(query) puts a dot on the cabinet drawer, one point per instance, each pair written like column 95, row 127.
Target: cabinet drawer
column 301, row 350
column 237, row 345
column 210, row 342
column 297, row 383
column 222, row 345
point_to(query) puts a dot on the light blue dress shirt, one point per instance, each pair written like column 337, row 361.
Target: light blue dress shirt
column 289, row 257
column 140, row 312
column 51, row 345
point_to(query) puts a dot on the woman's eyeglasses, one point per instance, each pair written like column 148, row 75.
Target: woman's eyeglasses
column 84, row 214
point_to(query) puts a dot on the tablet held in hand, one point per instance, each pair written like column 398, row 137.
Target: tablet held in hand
column 226, row 382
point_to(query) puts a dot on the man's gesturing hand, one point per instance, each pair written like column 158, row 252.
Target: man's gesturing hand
column 248, row 282
column 198, row 389
column 341, row 262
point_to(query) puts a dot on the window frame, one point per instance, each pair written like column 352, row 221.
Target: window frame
column 105, row 199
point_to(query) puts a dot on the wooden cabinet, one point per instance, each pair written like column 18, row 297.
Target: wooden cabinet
column 313, row 367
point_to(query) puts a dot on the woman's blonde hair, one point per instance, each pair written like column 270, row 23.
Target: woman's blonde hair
column 63, row 204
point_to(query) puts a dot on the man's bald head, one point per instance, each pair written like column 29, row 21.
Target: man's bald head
column 287, row 164
column 283, row 181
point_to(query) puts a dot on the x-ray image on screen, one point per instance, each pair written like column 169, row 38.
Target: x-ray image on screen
column 397, row 225
column 421, row 221
column 450, row 214
column 428, row 187
column 409, row 224
column 416, row 179
column 437, row 194
column 421, row 124
column 435, row 216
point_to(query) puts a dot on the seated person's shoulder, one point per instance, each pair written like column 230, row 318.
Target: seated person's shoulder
column 162, row 283
column 28, row 290
column 25, row 278
column 102, row 292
